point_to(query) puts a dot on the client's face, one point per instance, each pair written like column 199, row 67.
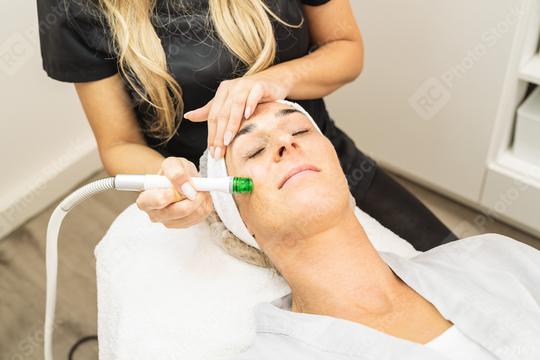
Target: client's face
column 275, row 142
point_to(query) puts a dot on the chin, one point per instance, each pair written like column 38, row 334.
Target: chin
column 314, row 205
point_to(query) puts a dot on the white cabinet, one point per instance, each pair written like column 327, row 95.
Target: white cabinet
column 526, row 144
column 512, row 186
column 439, row 91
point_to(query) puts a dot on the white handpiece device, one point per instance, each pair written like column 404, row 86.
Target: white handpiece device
column 228, row 184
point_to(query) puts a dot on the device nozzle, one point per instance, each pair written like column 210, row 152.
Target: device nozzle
column 242, row 185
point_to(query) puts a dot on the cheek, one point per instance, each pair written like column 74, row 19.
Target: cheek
column 247, row 203
column 259, row 174
column 318, row 151
column 261, row 184
column 327, row 153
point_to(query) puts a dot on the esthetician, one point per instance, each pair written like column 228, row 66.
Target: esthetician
column 139, row 65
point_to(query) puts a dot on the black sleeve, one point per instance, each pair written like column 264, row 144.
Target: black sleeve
column 315, row 2
column 75, row 45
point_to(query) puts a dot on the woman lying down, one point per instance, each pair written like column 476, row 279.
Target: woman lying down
column 476, row 298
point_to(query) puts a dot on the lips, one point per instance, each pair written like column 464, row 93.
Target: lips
column 295, row 170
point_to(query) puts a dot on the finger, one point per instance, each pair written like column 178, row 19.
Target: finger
column 178, row 196
column 155, row 199
column 254, row 97
column 221, row 125
column 182, row 210
column 200, row 114
column 192, row 171
column 178, row 171
column 175, row 211
column 186, row 222
column 191, row 168
column 195, row 217
column 235, row 117
column 219, row 99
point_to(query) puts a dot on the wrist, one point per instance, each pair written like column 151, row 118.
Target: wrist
column 281, row 75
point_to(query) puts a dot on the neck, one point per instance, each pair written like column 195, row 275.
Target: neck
column 338, row 272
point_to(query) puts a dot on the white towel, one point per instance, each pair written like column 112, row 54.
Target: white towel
column 175, row 294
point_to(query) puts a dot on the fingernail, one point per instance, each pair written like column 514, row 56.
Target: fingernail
column 213, row 151
column 217, row 152
column 188, row 113
column 247, row 113
column 188, row 190
column 228, row 137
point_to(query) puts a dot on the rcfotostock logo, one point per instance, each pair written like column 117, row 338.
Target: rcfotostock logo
column 19, row 47
column 430, row 98
column 14, row 53
column 434, row 93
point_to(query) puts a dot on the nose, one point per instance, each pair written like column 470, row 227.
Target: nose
column 285, row 143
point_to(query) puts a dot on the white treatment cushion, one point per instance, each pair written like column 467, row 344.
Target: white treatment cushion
column 175, row 294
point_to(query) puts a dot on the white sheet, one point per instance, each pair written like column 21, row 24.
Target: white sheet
column 175, row 294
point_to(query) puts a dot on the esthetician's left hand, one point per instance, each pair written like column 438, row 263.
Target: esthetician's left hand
column 235, row 99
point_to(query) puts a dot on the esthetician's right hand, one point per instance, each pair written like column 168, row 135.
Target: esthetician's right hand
column 171, row 207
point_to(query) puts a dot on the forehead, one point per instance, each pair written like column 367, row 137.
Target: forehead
column 271, row 113
column 267, row 115
column 272, row 109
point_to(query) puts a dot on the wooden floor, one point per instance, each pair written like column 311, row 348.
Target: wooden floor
column 22, row 269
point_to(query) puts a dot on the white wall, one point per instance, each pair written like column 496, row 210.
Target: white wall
column 46, row 144
column 451, row 54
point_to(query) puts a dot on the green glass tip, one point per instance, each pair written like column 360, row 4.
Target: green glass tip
column 242, row 185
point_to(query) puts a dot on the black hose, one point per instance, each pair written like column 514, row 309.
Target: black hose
column 80, row 342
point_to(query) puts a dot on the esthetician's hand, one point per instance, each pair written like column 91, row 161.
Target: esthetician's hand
column 235, row 99
column 171, row 207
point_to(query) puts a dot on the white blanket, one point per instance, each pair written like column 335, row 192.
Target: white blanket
column 175, row 294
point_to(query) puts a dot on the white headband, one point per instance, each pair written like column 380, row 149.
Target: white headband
column 224, row 203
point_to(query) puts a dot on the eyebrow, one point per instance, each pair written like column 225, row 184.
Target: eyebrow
column 250, row 127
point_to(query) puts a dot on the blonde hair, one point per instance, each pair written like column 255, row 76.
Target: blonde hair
column 243, row 26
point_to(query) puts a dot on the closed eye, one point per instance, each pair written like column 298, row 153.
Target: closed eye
column 301, row 132
column 261, row 149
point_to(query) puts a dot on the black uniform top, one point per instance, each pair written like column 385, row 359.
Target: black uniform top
column 75, row 47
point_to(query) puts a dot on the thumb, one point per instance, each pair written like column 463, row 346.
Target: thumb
column 200, row 114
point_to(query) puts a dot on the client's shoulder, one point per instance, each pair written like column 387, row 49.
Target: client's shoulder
column 486, row 250
column 487, row 245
